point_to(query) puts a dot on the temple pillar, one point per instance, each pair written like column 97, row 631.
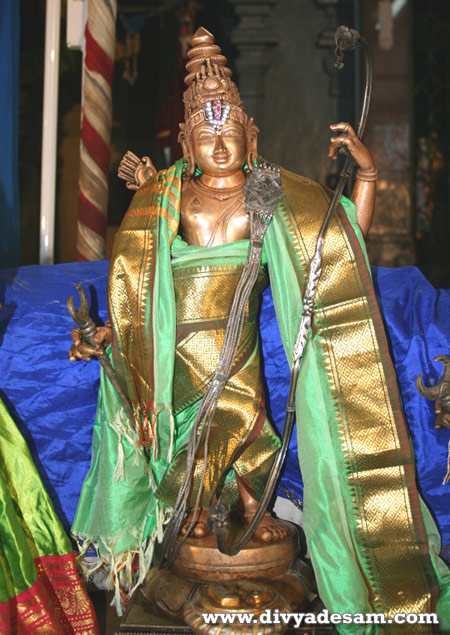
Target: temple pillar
column 253, row 38
column 390, row 241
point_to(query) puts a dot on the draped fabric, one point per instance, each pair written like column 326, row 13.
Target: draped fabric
column 363, row 515
column 53, row 397
column 126, row 499
column 53, row 401
column 241, row 440
column 354, row 450
column 40, row 591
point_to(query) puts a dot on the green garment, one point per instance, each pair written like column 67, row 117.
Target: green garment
column 359, row 561
column 372, row 542
column 40, row 591
column 36, row 531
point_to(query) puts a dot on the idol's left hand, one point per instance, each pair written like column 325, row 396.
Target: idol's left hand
column 349, row 140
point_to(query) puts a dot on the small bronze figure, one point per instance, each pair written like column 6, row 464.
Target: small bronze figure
column 440, row 393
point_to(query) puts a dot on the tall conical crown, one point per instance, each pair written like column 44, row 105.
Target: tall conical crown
column 208, row 79
column 203, row 50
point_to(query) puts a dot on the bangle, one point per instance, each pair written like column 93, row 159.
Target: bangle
column 367, row 175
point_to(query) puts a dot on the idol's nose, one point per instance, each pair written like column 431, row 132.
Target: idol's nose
column 218, row 144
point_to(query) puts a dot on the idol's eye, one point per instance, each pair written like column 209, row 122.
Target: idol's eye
column 204, row 135
column 231, row 132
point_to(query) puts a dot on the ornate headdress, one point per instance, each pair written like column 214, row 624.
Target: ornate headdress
column 211, row 95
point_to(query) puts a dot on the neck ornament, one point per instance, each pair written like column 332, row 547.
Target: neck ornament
column 221, row 194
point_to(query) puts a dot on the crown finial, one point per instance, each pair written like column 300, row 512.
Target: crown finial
column 202, row 36
column 204, row 51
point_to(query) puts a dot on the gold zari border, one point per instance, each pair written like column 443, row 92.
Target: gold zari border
column 56, row 604
column 376, row 454
column 131, row 275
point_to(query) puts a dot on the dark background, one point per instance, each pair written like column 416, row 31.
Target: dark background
column 283, row 64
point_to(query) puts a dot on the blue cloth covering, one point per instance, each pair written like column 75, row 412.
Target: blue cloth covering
column 53, row 401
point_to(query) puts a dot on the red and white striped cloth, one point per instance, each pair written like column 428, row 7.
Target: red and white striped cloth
column 96, row 119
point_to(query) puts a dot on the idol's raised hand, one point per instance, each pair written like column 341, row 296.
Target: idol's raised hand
column 363, row 194
column 135, row 171
column 349, row 140
column 81, row 349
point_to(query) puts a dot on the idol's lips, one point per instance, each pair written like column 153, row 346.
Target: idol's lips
column 220, row 158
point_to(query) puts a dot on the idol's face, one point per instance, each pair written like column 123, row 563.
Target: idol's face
column 219, row 153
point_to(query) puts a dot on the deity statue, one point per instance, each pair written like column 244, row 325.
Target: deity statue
column 173, row 294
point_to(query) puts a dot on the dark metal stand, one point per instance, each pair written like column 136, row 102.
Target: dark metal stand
column 141, row 617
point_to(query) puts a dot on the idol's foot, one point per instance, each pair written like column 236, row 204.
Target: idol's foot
column 269, row 529
column 199, row 528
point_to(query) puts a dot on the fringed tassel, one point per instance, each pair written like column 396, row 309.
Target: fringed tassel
column 121, row 427
column 118, row 578
column 126, row 575
column 160, row 519
column 126, row 570
column 145, row 560
column 117, row 599
column 447, row 476
column 119, row 471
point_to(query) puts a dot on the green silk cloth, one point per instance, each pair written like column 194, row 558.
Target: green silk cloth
column 126, row 498
column 372, row 541
column 241, row 441
column 27, row 536
column 40, row 591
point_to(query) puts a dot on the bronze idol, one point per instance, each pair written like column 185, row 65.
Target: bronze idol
column 189, row 263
